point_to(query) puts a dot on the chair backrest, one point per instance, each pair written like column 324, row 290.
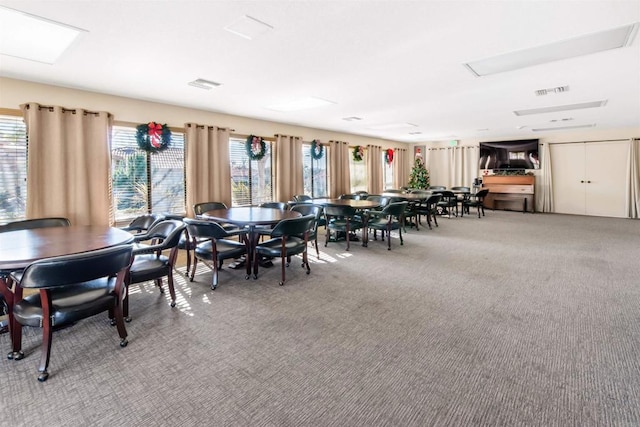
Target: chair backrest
column 434, row 199
column 143, row 222
column 294, row 226
column 465, row 189
column 437, row 187
column 346, row 211
column 392, row 190
column 205, row 229
column 301, row 198
column 167, row 231
column 76, row 268
column 309, row 209
column 446, row 194
column 200, row 208
column 395, row 209
column 349, row 197
column 30, row 224
column 274, row 205
column 381, row 200
column 482, row 194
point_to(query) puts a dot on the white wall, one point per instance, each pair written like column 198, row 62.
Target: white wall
column 15, row 92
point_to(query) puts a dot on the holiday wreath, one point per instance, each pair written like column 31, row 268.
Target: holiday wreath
column 358, row 153
column 388, row 156
column 153, row 137
column 317, row 150
column 256, row 147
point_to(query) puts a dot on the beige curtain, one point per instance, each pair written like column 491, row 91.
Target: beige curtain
column 464, row 166
column 375, row 177
column 208, row 166
column 339, row 176
column 544, row 192
column 401, row 167
column 438, row 163
column 69, row 164
column 633, row 196
column 288, row 167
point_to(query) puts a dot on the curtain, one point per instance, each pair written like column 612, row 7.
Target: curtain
column 401, row 167
column 438, row 163
column 69, row 164
column 288, row 168
column 633, row 195
column 375, row 178
column 339, row 175
column 464, row 166
column 208, row 168
column 544, row 192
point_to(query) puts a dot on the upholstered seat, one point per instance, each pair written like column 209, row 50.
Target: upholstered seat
column 341, row 219
column 317, row 211
column 285, row 242
column 475, row 200
column 389, row 218
column 72, row 287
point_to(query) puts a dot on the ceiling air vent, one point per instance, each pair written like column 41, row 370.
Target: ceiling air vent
column 559, row 89
column 204, row 84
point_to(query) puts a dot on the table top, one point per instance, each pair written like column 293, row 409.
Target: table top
column 250, row 215
column 358, row 204
column 20, row 248
column 408, row 196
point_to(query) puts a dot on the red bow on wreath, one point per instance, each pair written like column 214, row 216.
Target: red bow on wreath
column 155, row 132
column 389, row 155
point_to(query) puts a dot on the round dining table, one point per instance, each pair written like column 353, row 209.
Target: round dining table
column 20, row 248
column 249, row 217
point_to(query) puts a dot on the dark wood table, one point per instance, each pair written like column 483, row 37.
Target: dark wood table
column 250, row 217
column 20, row 248
column 358, row 204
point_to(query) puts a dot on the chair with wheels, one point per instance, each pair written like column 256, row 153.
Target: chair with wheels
column 318, row 212
column 285, row 242
column 142, row 223
column 154, row 257
column 475, row 200
column 71, row 288
column 215, row 246
column 389, row 218
column 341, row 220
column 275, row 205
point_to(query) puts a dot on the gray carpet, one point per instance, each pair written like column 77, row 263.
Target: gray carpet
column 508, row 320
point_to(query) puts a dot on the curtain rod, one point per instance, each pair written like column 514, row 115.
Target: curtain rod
column 208, row 127
column 66, row 110
column 585, row 142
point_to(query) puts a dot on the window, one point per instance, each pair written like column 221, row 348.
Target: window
column 251, row 180
column 358, row 172
column 145, row 182
column 314, row 173
column 13, row 173
column 387, row 169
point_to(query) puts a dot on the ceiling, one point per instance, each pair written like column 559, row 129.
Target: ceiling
column 397, row 65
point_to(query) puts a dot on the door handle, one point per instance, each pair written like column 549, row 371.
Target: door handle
column 582, row 181
column 588, row 182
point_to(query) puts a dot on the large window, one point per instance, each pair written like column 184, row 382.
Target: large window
column 251, row 180
column 13, row 172
column 146, row 182
column 358, row 173
column 314, row 173
column 387, row 169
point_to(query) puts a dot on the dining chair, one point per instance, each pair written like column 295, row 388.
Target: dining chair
column 475, row 200
column 389, row 218
column 71, row 288
column 214, row 246
column 318, row 213
column 29, row 224
column 154, row 257
column 449, row 202
column 429, row 209
column 275, row 205
column 437, row 187
column 301, row 198
column 285, row 241
column 142, row 223
column 341, row 219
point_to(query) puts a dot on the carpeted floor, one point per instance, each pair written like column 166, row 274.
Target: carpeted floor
column 508, row 320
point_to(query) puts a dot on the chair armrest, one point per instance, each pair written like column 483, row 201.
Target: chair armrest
column 147, row 249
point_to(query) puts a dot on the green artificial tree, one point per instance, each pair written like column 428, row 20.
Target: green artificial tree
column 419, row 175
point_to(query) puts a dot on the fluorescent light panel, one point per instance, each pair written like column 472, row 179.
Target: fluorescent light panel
column 31, row 37
column 583, row 45
column 299, row 104
column 557, row 108
column 203, row 84
column 389, row 126
column 248, row 27
column 564, row 127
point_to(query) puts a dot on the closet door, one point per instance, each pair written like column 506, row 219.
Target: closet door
column 606, row 172
column 568, row 174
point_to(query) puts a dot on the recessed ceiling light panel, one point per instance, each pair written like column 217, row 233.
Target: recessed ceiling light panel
column 248, row 27
column 34, row 38
column 389, row 126
column 204, row 84
column 557, row 108
column 578, row 46
column 563, row 127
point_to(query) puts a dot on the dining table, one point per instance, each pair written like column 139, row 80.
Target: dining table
column 20, row 248
column 361, row 205
column 251, row 218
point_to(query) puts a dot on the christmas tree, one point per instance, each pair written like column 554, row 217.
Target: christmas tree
column 419, row 175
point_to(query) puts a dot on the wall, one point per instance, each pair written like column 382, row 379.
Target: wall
column 15, row 92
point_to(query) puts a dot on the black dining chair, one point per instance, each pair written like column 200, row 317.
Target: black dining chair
column 429, row 209
column 284, row 242
column 214, row 245
column 449, row 202
column 71, row 288
column 318, row 212
column 274, row 205
column 475, row 200
column 341, row 219
column 143, row 223
column 30, row 224
column 155, row 254
column 389, row 218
